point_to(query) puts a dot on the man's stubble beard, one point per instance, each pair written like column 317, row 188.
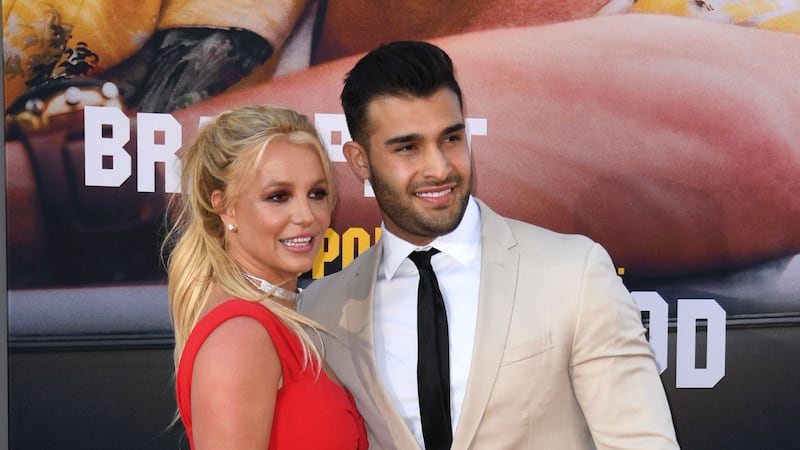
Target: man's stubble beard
column 403, row 213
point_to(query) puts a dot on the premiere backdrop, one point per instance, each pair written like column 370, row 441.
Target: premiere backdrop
column 670, row 138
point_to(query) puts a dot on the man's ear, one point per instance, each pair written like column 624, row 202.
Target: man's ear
column 356, row 157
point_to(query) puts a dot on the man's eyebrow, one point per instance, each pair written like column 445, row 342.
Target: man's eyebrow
column 416, row 136
column 402, row 139
column 454, row 128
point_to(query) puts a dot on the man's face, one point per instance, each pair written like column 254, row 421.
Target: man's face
column 420, row 166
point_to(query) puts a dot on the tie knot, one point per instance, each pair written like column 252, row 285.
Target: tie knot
column 422, row 258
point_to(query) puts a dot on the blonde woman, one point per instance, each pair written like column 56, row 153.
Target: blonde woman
column 257, row 199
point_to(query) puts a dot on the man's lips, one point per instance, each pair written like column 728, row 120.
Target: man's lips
column 437, row 197
column 435, row 194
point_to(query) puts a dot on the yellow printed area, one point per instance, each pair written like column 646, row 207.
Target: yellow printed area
column 786, row 22
column 328, row 253
column 345, row 248
column 66, row 38
column 674, row 7
column 778, row 15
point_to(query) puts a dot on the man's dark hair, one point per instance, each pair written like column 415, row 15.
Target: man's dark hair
column 398, row 69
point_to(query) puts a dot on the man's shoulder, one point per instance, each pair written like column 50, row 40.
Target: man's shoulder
column 360, row 265
column 525, row 233
column 540, row 233
column 327, row 282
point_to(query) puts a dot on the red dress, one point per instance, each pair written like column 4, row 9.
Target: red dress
column 310, row 412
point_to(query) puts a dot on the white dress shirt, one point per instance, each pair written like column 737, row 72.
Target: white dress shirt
column 457, row 268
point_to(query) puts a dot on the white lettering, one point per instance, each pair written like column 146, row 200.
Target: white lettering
column 687, row 374
column 97, row 146
column 150, row 151
column 475, row 127
column 658, row 311
column 330, row 125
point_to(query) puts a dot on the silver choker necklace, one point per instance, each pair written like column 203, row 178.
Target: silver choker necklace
column 272, row 290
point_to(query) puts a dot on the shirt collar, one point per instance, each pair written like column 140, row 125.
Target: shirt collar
column 460, row 244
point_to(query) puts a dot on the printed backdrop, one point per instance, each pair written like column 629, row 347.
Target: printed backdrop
column 668, row 138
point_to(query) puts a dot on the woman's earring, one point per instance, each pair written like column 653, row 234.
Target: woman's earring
column 231, row 227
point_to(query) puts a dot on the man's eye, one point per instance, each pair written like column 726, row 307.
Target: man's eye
column 405, row 148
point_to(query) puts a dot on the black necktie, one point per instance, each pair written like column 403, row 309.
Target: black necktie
column 433, row 360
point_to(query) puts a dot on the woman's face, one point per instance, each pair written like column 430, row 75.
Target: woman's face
column 281, row 214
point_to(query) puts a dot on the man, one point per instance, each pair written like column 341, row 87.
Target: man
column 546, row 347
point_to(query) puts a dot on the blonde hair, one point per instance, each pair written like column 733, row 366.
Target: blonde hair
column 219, row 158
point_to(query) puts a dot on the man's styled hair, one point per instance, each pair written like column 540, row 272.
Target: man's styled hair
column 397, row 69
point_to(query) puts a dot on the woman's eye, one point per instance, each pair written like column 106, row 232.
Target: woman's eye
column 319, row 194
column 278, row 197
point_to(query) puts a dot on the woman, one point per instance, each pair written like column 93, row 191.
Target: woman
column 257, row 200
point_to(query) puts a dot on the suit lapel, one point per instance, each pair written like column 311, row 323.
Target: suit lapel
column 499, row 269
column 359, row 317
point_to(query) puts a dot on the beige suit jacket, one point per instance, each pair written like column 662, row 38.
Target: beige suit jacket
column 560, row 359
